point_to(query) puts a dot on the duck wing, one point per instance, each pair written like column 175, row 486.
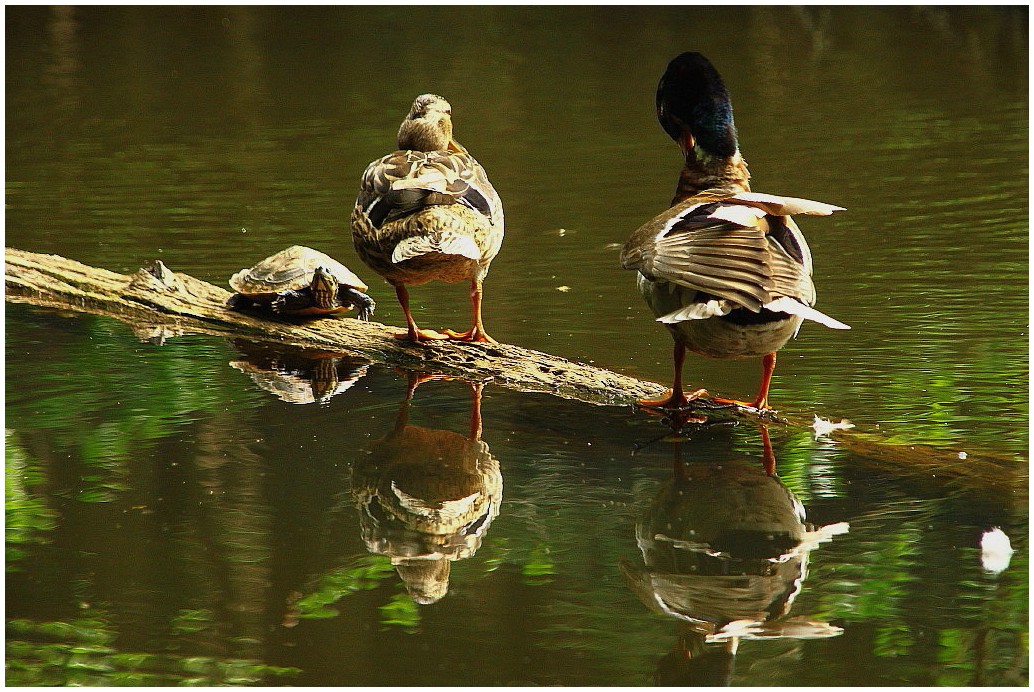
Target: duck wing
column 405, row 182
column 738, row 247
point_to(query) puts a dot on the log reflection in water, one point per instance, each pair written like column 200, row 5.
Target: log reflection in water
column 426, row 497
column 228, row 545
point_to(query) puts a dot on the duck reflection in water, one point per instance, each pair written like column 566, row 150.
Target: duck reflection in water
column 298, row 376
column 725, row 549
column 427, row 497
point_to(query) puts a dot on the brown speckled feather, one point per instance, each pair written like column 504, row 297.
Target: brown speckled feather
column 435, row 209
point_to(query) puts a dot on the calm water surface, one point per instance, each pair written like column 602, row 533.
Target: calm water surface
column 171, row 517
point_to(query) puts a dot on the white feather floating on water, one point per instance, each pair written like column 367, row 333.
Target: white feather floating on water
column 995, row 551
column 823, row 427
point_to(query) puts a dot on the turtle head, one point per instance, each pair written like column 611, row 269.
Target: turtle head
column 323, row 288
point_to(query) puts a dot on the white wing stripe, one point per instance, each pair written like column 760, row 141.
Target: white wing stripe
column 794, row 307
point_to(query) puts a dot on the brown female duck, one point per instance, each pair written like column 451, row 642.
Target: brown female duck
column 726, row 270
column 428, row 212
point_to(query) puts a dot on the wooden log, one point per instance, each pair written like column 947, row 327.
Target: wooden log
column 158, row 299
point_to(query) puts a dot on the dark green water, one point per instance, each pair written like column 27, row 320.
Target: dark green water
column 169, row 520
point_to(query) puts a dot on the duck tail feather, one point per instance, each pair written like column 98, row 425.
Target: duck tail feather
column 445, row 244
column 794, row 307
column 697, row 311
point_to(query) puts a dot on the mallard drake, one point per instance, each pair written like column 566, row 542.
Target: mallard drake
column 428, row 212
column 726, row 270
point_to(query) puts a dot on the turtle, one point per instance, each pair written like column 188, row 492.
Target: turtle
column 298, row 376
column 300, row 281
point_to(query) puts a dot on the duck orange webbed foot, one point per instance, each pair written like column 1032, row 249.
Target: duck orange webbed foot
column 675, row 410
column 473, row 335
column 676, row 401
column 421, row 335
column 759, row 406
column 761, row 409
column 719, row 404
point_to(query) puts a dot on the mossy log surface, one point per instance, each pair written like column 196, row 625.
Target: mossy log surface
column 158, row 299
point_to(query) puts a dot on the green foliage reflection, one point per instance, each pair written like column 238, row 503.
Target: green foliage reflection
column 108, row 399
column 81, row 653
column 26, row 515
column 401, row 611
column 364, row 573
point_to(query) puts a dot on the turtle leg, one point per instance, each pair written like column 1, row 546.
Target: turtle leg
column 238, row 302
column 289, row 301
column 362, row 302
column 413, row 334
column 477, row 332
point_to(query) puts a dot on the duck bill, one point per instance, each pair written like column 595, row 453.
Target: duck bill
column 456, row 147
column 686, row 143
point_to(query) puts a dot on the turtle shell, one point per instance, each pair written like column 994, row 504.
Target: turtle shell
column 291, row 270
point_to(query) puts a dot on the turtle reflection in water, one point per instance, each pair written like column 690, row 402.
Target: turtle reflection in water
column 298, row 376
column 427, row 497
column 300, row 281
column 725, row 548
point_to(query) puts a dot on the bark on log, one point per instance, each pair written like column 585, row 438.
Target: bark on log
column 160, row 299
